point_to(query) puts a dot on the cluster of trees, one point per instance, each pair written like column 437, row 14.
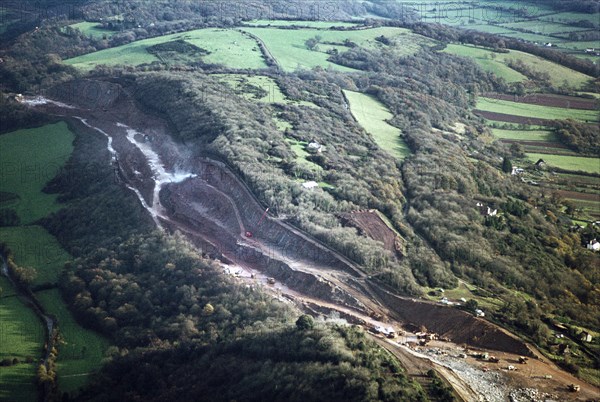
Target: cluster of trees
column 583, row 138
column 443, row 187
column 183, row 330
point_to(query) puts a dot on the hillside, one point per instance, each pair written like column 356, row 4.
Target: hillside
column 237, row 201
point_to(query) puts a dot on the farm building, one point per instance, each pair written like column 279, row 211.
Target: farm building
column 310, row 185
column 314, row 147
column 593, row 245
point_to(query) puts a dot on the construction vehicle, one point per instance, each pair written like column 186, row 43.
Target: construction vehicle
column 574, row 387
column 248, row 233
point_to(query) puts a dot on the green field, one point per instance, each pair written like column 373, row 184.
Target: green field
column 497, row 63
column 92, row 29
column 35, row 157
column 535, row 111
column 574, row 163
column 21, row 336
column 259, row 88
column 308, row 24
column 543, row 27
column 373, row 116
column 289, row 49
column 34, row 247
column 572, row 17
column 484, row 58
column 525, row 135
column 299, row 148
column 226, row 46
column 82, row 351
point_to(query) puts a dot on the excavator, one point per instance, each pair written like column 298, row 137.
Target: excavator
column 248, row 233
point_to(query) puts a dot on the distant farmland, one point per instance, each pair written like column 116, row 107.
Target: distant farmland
column 528, row 110
column 574, row 163
column 497, row 63
column 223, row 46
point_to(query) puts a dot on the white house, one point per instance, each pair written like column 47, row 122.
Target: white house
column 310, row 184
column 593, row 245
column 315, row 147
column 492, row 212
column 479, row 313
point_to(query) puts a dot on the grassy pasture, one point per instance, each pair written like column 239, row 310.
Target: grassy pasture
column 34, row 247
column 92, row 29
column 373, row 116
column 558, row 74
column 82, row 351
column 574, row 163
column 544, row 27
column 299, row 148
column 535, row 111
column 308, row 24
column 525, row 135
column 483, row 57
column 289, row 49
column 572, row 17
column 21, row 336
column 259, row 88
column 226, row 46
column 35, row 157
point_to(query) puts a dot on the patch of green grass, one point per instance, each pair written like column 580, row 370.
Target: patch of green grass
column 593, row 44
column 572, row 17
column 30, row 158
column 374, row 116
column 92, row 29
column 308, row 24
column 299, row 148
column 82, row 351
column 535, row 111
column 21, row 336
column 228, row 47
column 498, row 64
column 525, row 135
column 259, row 88
column 574, row 163
column 543, row 27
column 289, row 49
column 281, row 124
column 486, row 61
column 34, row 247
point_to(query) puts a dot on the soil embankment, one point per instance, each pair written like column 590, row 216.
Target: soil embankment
column 457, row 325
